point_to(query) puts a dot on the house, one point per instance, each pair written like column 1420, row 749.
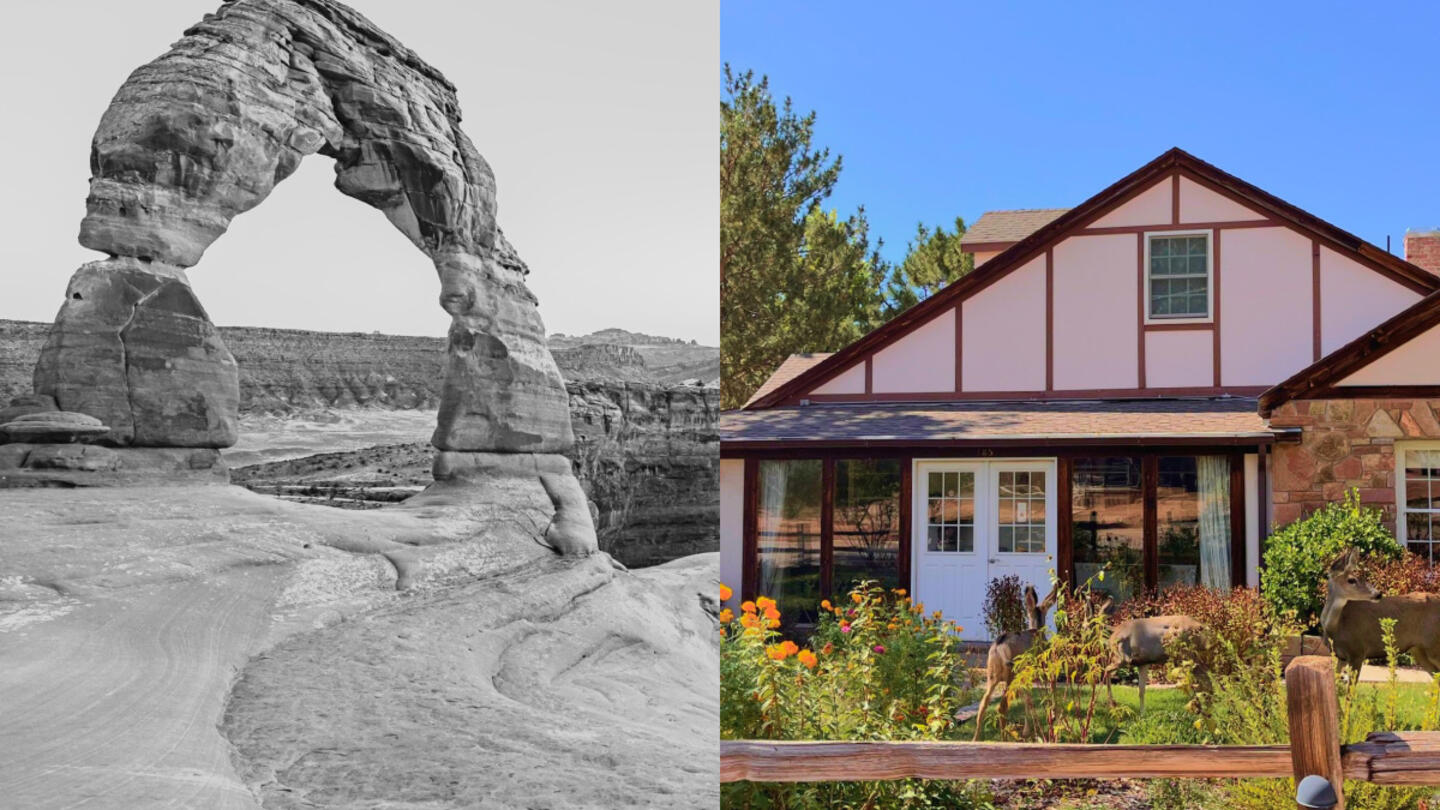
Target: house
column 1148, row 382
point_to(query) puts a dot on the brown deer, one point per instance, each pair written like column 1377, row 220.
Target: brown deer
column 1141, row 643
column 1000, row 660
column 1353, row 609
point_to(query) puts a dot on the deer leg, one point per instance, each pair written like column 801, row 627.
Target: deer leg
column 1109, row 682
column 1004, row 709
column 980, row 715
column 1144, row 676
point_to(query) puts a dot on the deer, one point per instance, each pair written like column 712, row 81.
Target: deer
column 1350, row 619
column 1000, row 660
column 1141, row 643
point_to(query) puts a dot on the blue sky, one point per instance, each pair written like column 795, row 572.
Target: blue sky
column 946, row 109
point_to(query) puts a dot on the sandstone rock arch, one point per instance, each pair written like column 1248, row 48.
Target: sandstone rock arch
column 204, row 133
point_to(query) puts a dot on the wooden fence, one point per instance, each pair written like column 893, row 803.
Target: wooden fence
column 1386, row 758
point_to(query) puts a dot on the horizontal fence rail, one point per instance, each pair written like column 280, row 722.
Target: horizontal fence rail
column 1385, row 758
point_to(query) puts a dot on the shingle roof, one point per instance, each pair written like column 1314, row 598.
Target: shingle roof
column 794, row 366
column 1160, row 419
column 1009, row 226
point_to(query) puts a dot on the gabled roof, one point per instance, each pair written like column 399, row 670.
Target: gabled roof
column 791, row 368
column 1316, row 379
column 997, row 229
column 1173, row 161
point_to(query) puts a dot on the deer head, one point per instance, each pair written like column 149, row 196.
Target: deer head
column 1346, row 584
column 1035, row 611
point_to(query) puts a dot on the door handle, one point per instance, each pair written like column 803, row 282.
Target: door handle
column 993, row 560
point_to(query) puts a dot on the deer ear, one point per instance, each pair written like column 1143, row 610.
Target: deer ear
column 1030, row 596
column 1050, row 598
column 1343, row 562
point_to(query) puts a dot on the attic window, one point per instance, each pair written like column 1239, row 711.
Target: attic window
column 1177, row 279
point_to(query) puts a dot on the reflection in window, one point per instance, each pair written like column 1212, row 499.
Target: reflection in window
column 950, row 511
column 1421, row 518
column 1192, row 503
column 1108, row 524
column 867, row 523
column 1022, row 512
column 787, row 537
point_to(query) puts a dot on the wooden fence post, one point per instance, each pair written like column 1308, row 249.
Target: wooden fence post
column 1314, row 720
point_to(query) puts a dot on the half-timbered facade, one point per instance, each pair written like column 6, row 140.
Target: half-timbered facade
column 1132, row 384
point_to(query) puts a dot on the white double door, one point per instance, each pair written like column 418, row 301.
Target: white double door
column 976, row 521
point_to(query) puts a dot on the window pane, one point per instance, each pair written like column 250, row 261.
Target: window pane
column 967, row 538
column 1007, row 539
column 1193, row 520
column 866, row 523
column 788, row 537
column 1107, row 520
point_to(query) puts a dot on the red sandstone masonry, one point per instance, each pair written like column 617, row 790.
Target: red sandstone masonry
column 1423, row 248
column 1347, row 444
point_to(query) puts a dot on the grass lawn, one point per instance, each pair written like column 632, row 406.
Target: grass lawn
column 1167, row 720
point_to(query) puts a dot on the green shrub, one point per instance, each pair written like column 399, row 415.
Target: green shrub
column 1296, row 556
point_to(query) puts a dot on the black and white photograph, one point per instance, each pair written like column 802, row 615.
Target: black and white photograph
column 359, row 387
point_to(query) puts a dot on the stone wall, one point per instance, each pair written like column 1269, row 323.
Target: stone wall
column 1347, row 443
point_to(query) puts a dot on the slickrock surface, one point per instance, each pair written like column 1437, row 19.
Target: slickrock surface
column 204, row 133
column 503, row 675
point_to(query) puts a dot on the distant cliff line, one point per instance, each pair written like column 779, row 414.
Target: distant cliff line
column 289, row 370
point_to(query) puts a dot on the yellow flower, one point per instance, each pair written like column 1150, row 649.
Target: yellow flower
column 747, row 606
column 752, row 632
column 726, row 616
column 808, row 659
column 764, row 603
column 725, row 592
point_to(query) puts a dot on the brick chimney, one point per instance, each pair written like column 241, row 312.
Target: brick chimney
column 1423, row 248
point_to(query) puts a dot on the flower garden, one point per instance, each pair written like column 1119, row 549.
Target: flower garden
column 878, row 666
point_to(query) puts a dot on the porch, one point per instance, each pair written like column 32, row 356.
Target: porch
column 941, row 499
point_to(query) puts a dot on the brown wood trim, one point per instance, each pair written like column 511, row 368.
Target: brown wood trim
column 1315, row 296
column 907, row 531
column 1024, row 448
column 1204, row 326
column 959, row 347
column 869, row 374
column 749, row 555
column 1375, row 392
column 1150, row 481
column 827, row 527
column 1111, row 197
column 1175, row 199
column 1224, row 224
column 1215, row 316
column 1049, row 320
column 1064, row 526
column 1036, row 396
column 1141, row 303
column 1262, row 492
column 1237, row 520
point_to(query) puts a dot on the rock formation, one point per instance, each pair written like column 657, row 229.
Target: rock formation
column 202, row 134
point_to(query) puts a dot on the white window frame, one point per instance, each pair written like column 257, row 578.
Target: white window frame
column 1401, row 510
column 1209, row 277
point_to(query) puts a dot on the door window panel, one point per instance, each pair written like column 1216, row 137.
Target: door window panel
column 950, row 511
column 1192, row 503
column 1421, row 506
column 1021, row 512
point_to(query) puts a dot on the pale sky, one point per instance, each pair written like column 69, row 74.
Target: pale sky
column 599, row 120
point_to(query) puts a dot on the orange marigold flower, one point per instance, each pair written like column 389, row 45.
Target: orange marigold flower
column 722, row 632
column 750, row 620
column 747, row 606
column 779, row 652
column 825, row 604
column 856, row 597
column 808, row 659
column 752, row 632
column 771, row 612
column 764, row 603
column 828, row 648
column 772, row 623
column 725, row 592
column 790, row 647
column 727, row 615
column 899, row 591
